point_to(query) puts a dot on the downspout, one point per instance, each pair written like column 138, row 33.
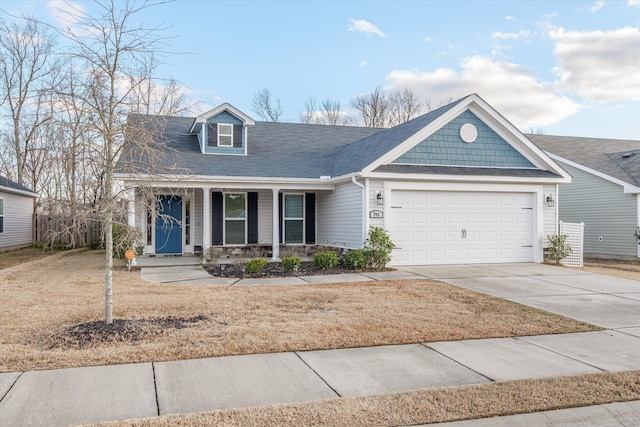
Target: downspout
column 364, row 208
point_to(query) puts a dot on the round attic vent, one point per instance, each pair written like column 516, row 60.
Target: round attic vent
column 468, row 133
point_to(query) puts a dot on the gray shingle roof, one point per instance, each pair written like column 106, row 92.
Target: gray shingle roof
column 5, row 182
column 288, row 150
column 603, row 155
column 354, row 157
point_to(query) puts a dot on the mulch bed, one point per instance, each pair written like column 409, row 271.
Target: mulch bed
column 89, row 334
column 273, row 269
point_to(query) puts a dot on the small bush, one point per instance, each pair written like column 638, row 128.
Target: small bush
column 290, row 263
column 255, row 265
column 125, row 237
column 377, row 248
column 559, row 249
column 325, row 260
column 355, row 259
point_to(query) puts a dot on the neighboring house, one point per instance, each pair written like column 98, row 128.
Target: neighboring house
column 604, row 192
column 459, row 184
column 16, row 214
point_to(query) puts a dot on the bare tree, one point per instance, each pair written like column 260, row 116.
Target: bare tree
column 404, row 106
column 332, row 112
column 154, row 96
column 266, row 106
column 373, row 108
column 309, row 115
column 111, row 49
column 26, row 66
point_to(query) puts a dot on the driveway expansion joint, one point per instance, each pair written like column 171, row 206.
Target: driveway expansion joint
column 155, row 387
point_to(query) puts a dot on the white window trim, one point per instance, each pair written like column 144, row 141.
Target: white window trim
column 224, row 219
column 230, row 135
column 4, row 223
column 285, row 218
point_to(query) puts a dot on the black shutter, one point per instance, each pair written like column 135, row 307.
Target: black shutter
column 217, row 218
column 237, row 135
column 252, row 218
column 310, row 218
column 280, row 215
column 212, row 135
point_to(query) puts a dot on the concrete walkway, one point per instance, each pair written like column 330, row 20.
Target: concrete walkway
column 102, row 393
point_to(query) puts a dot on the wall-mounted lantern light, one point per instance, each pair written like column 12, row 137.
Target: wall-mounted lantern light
column 379, row 198
column 550, row 200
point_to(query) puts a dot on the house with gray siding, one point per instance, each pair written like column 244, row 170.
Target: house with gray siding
column 459, row 184
column 16, row 214
column 604, row 193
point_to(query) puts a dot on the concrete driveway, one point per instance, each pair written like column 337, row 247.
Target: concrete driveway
column 605, row 301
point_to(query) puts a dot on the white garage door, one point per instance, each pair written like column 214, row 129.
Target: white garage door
column 433, row 227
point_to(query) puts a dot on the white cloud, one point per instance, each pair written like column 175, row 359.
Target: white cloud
column 509, row 18
column 363, row 64
column 522, row 34
column 599, row 5
column 362, row 26
column 66, row 13
column 509, row 88
column 600, row 66
column 432, row 39
column 633, row 2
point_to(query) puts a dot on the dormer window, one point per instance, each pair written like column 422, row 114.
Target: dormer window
column 225, row 135
column 220, row 135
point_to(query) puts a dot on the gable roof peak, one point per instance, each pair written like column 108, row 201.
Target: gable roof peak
column 202, row 118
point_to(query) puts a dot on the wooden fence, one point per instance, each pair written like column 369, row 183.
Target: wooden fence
column 68, row 232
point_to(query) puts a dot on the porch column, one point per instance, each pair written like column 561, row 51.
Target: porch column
column 275, row 227
column 131, row 208
column 206, row 218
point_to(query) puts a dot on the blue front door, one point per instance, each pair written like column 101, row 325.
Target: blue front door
column 169, row 225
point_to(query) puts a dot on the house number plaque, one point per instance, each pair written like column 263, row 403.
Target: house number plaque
column 375, row 214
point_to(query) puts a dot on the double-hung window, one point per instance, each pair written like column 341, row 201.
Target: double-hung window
column 235, row 219
column 1, row 215
column 293, row 218
column 225, row 135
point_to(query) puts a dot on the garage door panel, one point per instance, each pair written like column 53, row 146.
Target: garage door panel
column 462, row 227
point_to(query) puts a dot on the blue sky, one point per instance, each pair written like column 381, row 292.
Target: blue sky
column 562, row 67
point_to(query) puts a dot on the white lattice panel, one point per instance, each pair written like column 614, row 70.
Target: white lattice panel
column 575, row 239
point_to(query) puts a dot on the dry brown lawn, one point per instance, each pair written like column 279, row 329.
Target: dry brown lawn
column 423, row 406
column 20, row 256
column 42, row 299
column 623, row 269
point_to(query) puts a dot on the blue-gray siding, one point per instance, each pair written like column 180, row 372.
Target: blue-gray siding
column 605, row 210
column 445, row 147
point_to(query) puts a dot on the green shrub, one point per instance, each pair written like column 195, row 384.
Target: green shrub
column 377, row 248
column 559, row 249
column 355, row 259
column 255, row 265
column 125, row 237
column 290, row 263
column 326, row 259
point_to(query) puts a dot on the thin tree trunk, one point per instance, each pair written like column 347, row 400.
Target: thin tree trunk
column 108, row 226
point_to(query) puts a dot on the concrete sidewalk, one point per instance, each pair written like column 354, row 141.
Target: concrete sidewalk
column 116, row 392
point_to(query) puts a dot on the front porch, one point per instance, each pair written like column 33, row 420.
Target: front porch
column 244, row 222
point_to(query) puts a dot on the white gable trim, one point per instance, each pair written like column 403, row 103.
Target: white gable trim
column 491, row 118
column 627, row 187
column 18, row 192
column 202, row 118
